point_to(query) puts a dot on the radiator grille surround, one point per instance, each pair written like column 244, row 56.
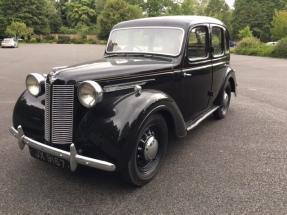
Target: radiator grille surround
column 59, row 114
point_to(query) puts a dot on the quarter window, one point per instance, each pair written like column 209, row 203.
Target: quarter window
column 217, row 40
column 197, row 43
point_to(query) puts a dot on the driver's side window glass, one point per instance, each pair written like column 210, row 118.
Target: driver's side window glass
column 197, row 43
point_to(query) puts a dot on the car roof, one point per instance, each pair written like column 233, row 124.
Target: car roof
column 169, row 21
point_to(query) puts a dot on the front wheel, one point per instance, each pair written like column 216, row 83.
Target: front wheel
column 221, row 112
column 150, row 147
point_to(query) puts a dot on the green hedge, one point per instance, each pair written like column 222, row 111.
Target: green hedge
column 252, row 46
column 281, row 48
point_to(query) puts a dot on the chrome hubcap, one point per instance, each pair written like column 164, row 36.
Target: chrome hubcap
column 151, row 148
column 225, row 103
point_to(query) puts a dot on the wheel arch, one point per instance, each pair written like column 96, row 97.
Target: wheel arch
column 229, row 78
column 113, row 130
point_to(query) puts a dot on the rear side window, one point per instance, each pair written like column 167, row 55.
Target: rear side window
column 197, row 43
column 217, row 40
column 226, row 41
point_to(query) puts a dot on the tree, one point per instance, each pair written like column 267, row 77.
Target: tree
column 19, row 29
column 219, row 9
column 279, row 25
column 188, row 7
column 54, row 17
column 33, row 13
column 200, row 8
column 258, row 14
column 80, row 12
column 115, row 11
column 245, row 32
column 156, row 7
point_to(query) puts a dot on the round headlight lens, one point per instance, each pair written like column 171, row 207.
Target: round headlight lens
column 35, row 83
column 89, row 93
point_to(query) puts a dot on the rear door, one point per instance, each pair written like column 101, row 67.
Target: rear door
column 220, row 58
column 196, row 74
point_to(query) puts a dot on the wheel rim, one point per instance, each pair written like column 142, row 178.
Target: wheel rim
column 149, row 151
column 225, row 103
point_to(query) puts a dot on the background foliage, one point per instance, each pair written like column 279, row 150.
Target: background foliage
column 267, row 20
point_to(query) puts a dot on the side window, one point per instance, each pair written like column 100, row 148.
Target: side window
column 217, row 40
column 197, row 43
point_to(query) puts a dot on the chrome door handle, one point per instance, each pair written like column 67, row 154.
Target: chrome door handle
column 186, row 75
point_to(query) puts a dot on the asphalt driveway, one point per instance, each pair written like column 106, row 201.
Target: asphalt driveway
column 237, row 165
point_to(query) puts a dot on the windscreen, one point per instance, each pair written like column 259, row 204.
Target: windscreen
column 155, row 40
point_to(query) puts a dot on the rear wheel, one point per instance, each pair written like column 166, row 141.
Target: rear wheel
column 149, row 151
column 221, row 112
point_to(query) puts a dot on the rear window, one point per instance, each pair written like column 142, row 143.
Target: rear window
column 8, row 40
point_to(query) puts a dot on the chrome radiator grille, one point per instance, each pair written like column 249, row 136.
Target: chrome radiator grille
column 59, row 114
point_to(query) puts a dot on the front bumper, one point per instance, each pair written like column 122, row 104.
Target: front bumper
column 72, row 157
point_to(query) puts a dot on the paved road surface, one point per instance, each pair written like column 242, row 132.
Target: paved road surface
column 234, row 166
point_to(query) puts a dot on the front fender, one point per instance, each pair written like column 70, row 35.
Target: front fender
column 111, row 126
column 29, row 113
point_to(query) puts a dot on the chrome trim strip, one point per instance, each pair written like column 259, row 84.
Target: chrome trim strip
column 220, row 63
column 197, row 68
column 124, row 86
column 72, row 157
column 188, row 128
column 47, row 113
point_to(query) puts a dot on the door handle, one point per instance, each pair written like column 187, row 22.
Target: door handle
column 186, row 75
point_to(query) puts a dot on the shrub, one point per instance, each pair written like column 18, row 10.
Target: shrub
column 249, row 41
column 280, row 49
column 103, row 42
column 63, row 40
column 50, row 37
column 66, row 30
column 33, row 40
column 75, row 41
column 260, row 50
column 91, row 41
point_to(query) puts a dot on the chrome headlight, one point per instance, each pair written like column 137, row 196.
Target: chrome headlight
column 35, row 84
column 89, row 93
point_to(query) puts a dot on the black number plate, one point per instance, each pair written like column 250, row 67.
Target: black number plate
column 51, row 159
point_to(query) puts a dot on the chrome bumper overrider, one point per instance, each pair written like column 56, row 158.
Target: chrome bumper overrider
column 72, row 156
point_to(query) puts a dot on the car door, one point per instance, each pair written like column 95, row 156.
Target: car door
column 220, row 58
column 196, row 73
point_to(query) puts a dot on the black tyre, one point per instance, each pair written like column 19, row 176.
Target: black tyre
column 149, row 151
column 221, row 112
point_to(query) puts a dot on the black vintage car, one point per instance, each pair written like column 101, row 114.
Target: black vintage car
column 159, row 77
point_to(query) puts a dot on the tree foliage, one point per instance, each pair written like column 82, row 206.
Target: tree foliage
column 279, row 25
column 80, row 12
column 188, row 7
column 33, row 13
column 245, row 33
column 19, row 29
column 115, row 11
column 258, row 14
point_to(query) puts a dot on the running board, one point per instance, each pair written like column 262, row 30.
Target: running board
column 196, row 123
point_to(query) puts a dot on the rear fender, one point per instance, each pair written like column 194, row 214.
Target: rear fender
column 229, row 78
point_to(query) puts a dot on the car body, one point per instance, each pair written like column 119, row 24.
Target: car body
column 9, row 42
column 158, row 76
column 232, row 44
column 271, row 43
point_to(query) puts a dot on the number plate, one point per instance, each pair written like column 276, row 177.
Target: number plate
column 51, row 159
